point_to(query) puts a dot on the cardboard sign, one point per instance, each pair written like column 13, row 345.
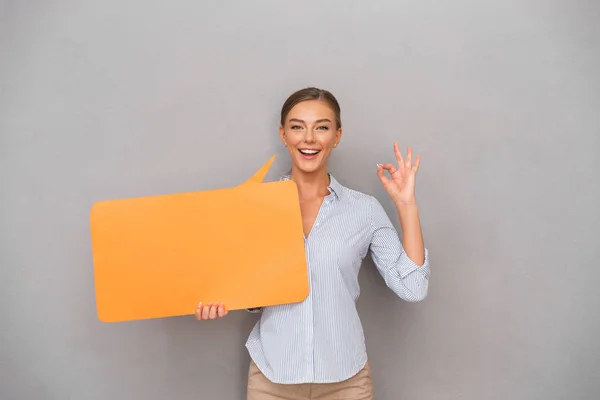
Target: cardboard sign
column 158, row 256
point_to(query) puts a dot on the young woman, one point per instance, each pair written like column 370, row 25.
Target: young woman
column 316, row 348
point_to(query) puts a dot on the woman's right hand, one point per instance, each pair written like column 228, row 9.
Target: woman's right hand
column 210, row 311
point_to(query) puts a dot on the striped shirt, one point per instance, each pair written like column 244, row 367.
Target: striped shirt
column 321, row 339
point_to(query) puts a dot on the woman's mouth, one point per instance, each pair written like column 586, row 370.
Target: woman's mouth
column 309, row 154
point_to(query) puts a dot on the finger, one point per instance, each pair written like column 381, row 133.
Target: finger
column 390, row 168
column 221, row 311
column 213, row 312
column 398, row 154
column 417, row 163
column 381, row 174
column 409, row 158
column 205, row 311
column 198, row 312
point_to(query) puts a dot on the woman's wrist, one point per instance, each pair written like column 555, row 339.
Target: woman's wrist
column 406, row 206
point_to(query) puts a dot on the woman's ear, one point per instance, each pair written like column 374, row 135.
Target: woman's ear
column 338, row 137
column 282, row 135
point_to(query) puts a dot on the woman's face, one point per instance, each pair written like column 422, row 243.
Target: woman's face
column 309, row 133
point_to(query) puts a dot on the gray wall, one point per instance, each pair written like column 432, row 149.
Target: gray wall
column 110, row 99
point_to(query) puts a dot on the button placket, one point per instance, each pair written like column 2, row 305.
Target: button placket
column 320, row 215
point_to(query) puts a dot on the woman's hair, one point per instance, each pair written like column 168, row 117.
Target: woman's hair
column 312, row 93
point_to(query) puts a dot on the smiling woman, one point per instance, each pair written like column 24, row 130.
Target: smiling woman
column 310, row 128
column 316, row 348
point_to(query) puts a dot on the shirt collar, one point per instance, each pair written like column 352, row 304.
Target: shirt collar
column 334, row 186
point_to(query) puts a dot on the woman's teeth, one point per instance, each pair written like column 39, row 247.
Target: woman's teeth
column 309, row 152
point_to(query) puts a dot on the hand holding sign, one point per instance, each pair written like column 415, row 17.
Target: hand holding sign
column 211, row 311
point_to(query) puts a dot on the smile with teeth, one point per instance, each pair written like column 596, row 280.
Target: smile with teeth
column 309, row 152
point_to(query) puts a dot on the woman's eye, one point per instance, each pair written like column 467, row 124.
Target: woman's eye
column 295, row 127
column 323, row 127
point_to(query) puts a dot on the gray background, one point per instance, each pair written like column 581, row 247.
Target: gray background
column 109, row 99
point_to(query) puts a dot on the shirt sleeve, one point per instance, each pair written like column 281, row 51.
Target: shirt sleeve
column 402, row 275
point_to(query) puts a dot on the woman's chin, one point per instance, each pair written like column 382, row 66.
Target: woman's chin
column 308, row 168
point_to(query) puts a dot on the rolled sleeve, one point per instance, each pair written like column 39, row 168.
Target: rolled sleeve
column 408, row 266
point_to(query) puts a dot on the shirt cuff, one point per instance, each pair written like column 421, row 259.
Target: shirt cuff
column 408, row 266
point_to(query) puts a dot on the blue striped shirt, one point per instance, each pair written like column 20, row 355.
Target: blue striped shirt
column 321, row 339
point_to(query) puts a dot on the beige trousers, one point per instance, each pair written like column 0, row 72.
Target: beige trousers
column 358, row 387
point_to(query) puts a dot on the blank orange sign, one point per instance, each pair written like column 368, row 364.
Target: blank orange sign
column 158, row 256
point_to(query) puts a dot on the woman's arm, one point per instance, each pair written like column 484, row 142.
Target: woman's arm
column 403, row 272
column 401, row 189
column 412, row 237
column 404, row 265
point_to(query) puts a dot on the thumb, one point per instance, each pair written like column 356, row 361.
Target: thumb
column 381, row 174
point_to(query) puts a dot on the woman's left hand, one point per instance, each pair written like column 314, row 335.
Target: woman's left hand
column 401, row 186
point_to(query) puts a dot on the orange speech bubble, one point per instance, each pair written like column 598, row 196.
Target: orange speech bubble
column 158, row 256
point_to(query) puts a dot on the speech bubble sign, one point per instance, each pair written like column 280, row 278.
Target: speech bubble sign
column 158, row 256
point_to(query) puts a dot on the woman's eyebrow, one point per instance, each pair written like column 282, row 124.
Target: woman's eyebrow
column 317, row 121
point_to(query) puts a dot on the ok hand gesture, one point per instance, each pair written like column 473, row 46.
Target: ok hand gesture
column 401, row 186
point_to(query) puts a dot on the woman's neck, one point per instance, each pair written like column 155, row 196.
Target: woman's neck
column 311, row 185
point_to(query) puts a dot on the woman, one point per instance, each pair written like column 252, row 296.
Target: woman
column 316, row 348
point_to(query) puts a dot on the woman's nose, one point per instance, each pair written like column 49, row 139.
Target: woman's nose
column 310, row 136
